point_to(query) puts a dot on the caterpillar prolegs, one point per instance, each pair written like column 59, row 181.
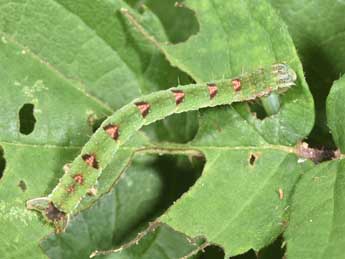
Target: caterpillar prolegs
column 118, row 128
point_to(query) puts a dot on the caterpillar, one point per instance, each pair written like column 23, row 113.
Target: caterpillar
column 118, row 128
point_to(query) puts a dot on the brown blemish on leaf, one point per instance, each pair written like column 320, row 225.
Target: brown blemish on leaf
column 281, row 194
column 112, row 130
column 213, row 90
column 144, row 108
column 236, row 84
column 78, row 178
column 22, row 185
column 316, row 155
column 179, row 96
column 90, row 160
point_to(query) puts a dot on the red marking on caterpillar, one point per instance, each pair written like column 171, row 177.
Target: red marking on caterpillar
column 71, row 188
column 112, row 130
column 79, row 178
column 144, row 108
column 90, row 160
column 179, row 96
column 236, row 84
column 212, row 89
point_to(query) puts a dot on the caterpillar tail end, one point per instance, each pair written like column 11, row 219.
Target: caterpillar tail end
column 52, row 214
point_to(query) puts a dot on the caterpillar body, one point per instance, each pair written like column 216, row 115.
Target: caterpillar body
column 119, row 127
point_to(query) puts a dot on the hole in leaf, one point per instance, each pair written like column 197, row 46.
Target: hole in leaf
column 27, row 119
column 22, row 185
column 2, row 162
column 275, row 250
column 257, row 110
column 212, row 252
column 252, row 159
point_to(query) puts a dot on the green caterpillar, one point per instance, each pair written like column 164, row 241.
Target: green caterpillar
column 118, row 128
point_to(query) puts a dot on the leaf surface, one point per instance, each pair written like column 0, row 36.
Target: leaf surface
column 316, row 228
column 75, row 68
column 319, row 41
column 68, row 73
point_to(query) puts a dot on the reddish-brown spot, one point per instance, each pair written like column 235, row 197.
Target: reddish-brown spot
column 143, row 107
column 236, row 84
column 179, row 96
column 213, row 90
column 90, row 160
column 112, row 130
column 78, row 178
column 71, row 188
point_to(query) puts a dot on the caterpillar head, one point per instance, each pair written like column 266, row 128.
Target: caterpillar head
column 49, row 211
column 285, row 75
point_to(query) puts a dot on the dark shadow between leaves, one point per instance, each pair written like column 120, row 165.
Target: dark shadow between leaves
column 320, row 74
column 211, row 252
column 275, row 250
column 257, row 110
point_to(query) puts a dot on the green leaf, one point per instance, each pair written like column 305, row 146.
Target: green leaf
column 239, row 36
column 76, row 62
column 60, row 58
column 144, row 188
column 336, row 118
column 236, row 202
column 230, row 143
column 179, row 23
column 162, row 243
column 35, row 167
column 316, row 228
column 319, row 41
